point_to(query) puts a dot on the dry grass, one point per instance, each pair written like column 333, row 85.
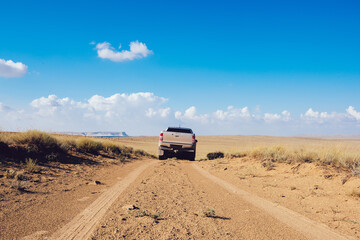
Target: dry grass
column 336, row 152
column 87, row 145
column 31, row 165
column 323, row 156
column 50, row 147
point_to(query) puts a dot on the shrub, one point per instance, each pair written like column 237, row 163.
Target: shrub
column 67, row 144
column 31, row 165
column 89, row 146
column 208, row 212
column 37, row 141
column 111, row 147
column 214, row 155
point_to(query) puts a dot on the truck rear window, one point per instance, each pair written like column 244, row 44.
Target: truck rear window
column 180, row 130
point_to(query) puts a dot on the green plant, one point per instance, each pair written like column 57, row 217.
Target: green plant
column 208, row 212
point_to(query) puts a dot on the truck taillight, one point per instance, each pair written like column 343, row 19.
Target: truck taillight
column 161, row 137
column 193, row 138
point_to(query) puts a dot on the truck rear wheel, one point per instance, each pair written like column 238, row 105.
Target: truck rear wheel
column 192, row 156
column 164, row 156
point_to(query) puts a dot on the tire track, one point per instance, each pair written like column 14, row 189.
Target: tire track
column 309, row 228
column 82, row 226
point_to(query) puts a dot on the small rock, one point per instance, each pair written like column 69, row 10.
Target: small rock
column 116, row 230
column 129, row 207
column 343, row 181
column 96, row 182
column 225, row 168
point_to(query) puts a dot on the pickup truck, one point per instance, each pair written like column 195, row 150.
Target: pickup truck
column 175, row 142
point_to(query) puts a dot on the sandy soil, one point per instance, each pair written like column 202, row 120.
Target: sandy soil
column 55, row 195
column 177, row 199
column 320, row 193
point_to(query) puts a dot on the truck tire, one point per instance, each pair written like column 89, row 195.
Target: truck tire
column 192, row 156
column 164, row 156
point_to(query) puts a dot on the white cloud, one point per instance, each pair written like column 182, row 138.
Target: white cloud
column 271, row 117
column 12, row 69
column 137, row 50
column 233, row 113
column 321, row 117
column 190, row 115
column 162, row 112
column 144, row 113
column 353, row 113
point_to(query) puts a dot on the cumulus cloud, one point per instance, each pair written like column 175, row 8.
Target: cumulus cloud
column 353, row 113
column 190, row 114
column 10, row 69
column 271, row 117
column 321, row 117
column 144, row 113
column 137, row 50
column 232, row 113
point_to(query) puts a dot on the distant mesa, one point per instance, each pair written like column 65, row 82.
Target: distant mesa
column 96, row 134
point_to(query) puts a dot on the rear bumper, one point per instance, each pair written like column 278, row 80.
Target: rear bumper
column 174, row 148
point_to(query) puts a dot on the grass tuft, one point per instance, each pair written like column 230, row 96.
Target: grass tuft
column 208, row 212
column 31, row 165
column 215, row 155
column 88, row 145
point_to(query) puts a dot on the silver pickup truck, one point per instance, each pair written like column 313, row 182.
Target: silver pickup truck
column 177, row 142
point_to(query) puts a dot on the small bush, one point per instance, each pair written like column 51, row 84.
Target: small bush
column 37, row 142
column 214, row 155
column 89, row 146
column 67, row 144
column 208, row 212
column 31, row 165
column 111, row 147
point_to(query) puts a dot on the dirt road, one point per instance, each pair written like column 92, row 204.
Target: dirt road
column 169, row 200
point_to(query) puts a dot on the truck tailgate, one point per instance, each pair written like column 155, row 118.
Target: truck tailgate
column 176, row 137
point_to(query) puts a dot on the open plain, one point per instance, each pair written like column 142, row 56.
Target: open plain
column 264, row 188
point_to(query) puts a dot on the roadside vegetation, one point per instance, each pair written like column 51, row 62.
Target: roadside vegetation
column 279, row 154
column 27, row 155
column 34, row 147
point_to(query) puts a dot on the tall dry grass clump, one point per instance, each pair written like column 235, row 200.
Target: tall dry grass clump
column 324, row 156
column 88, row 145
column 36, row 141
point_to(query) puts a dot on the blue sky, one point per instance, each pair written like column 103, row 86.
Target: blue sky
column 266, row 56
